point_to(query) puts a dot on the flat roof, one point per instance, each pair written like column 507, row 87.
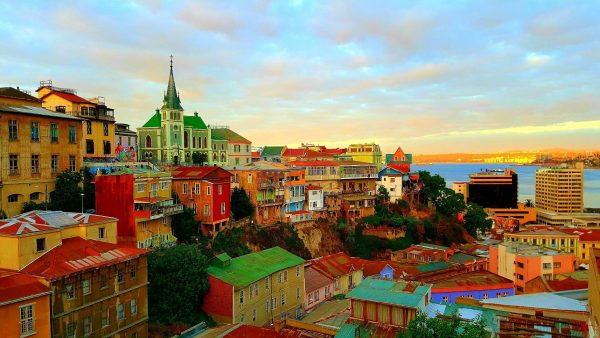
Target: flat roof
column 543, row 300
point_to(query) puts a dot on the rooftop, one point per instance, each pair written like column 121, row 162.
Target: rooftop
column 199, row 172
column 525, row 249
column 15, row 286
column 543, row 300
column 17, row 94
column 314, row 279
column 71, row 97
column 245, row 270
column 37, row 111
column 337, row 264
column 230, row 135
column 37, row 221
column 76, row 254
column 475, row 280
column 272, row 151
column 405, row 294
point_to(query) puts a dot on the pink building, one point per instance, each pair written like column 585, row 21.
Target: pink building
column 318, row 287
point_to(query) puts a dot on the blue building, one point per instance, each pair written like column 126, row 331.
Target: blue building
column 473, row 285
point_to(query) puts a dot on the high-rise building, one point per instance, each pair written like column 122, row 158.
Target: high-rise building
column 559, row 190
column 494, row 189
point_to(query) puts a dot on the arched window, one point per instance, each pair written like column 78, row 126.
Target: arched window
column 204, row 145
column 223, row 157
column 148, row 141
column 214, row 157
column 222, row 146
column 185, row 139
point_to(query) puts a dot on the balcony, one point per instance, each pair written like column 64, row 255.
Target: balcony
column 101, row 114
column 347, row 176
column 154, row 208
column 295, row 199
column 270, row 185
column 270, row 201
column 299, row 216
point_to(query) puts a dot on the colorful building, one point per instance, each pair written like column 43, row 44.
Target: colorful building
column 392, row 178
column 385, row 302
column 365, row 152
column 99, row 127
column 239, row 147
column 126, row 143
column 521, row 213
column 36, row 145
column 423, row 252
column 346, row 271
column 315, row 198
column 24, row 305
column 472, row 285
column 400, row 159
column 318, row 287
column 207, row 191
column 141, row 200
column 594, row 290
column 255, row 289
column 523, row 262
column 272, row 153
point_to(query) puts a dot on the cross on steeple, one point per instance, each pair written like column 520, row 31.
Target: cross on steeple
column 171, row 61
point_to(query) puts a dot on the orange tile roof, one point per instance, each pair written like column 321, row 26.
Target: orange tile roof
column 337, row 264
column 474, row 280
column 291, row 152
column 77, row 254
column 313, row 187
column 15, row 286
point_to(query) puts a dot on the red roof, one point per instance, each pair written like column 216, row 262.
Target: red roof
column 403, row 168
column 67, row 96
column 77, row 254
column 291, row 152
column 15, row 286
column 314, row 163
column 249, row 331
column 256, row 154
column 474, row 280
column 37, row 220
column 337, row 264
column 567, row 284
column 590, row 236
column 199, row 172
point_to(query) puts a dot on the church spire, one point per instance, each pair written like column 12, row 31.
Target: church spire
column 171, row 100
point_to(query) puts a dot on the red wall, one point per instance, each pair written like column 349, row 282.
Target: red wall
column 114, row 197
column 218, row 302
column 218, row 199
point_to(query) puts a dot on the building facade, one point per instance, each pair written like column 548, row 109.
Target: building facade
column 36, row 145
column 238, row 147
column 346, row 272
column 391, row 178
column 126, row 143
column 255, row 289
column 319, row 287
column 471, row 285
column 559, row 190
column 494, row 188
column 365, row 152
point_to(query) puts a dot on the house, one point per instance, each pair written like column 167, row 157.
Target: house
column 391, row 178
column 207, row 191
column 315, row 198
column 256, row 288
column 473, row 285
column 36, row 146
column 99, row 128
column 388, row 303
column 423, row 252
column 141, row 199
column 400, row 159
column 294, row 197
column 272, row 153
column 240, row 148
column 126, row 143
column 24, row 305
column 318, row 287
column 346, row 271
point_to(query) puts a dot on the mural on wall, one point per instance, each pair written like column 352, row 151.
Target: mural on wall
column 125, row 154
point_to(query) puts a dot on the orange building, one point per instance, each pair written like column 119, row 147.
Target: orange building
column 99, row 129
column 24, row 305
column 206, row 190
column 523, row 262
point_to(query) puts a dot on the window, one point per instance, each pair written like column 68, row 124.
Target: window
column 101, row 233
column 89, row 146
column 85, row 286
column 520, row 264
column 283, row 298
column 13, row 164
column 273, row 303
column 498, row 294
column 519, row 277
column 35, row 164
column 206, row 210
column 72, row 163
column 13, row 131
column 87, row 326
column 486, row 296
column 120, row 312
column 105, row 129
column 185, row 188
column 241, row 296
column 88, row 125
column 165, row 185
column 547, row 265
column 103, row 281
column 107, row 148
column 445, row 299
column 72, row 134
column 285, row 276
column 298, row 293
column 253, row 315
column 249, row 178
column 40, row 244
column 34, row 196
column 71, row 329
column 279, row 277
column 35, row 131
column 141, row 187
column 505, row 294
column 133, row 306
column 27, row 320
column 242, row 318
column 256, row 289
column 220, row 190
column 105, row 316
column 208, row 190
column 267, row 283
column 222, row 208
column 54, row 133
column 70, row 291
column 148, row 141
column 197, row 188
column 54, row 164
column 133, row 271
column 120, row 277
column 557, row 265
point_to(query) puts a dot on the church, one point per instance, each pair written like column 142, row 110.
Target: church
column 170, row 137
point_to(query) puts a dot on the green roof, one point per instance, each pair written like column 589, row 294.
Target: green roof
column 461, row 258
column 347, row 331
column 433, row 266
column 171, row 99
column 245, row 270
column 272, row 151
column 153, row 122
column 229, row 135
column 216, row 137
column 194, row 121
column 400, row 293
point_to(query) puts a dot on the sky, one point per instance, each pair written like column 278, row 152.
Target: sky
column 430, row 76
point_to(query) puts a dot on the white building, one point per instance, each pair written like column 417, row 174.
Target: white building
column 315, row 198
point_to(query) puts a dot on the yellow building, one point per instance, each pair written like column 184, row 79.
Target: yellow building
column 521, row 213
column 365, row 152
column 559, row 190
column 461, row 188
column 99, row 120
column 35, row 145
column 255, row 289
column 343, row 269
column 548, row 238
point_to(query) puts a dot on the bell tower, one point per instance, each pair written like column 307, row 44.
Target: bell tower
column 172, row 122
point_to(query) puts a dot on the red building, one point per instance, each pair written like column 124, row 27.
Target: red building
column 207, row 190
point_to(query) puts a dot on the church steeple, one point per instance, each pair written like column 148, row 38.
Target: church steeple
column 171, row 100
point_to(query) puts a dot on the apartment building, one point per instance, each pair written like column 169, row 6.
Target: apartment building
column 559, row 190
column 365, row 152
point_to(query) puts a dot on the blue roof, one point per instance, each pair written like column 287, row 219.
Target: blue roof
column 405, row 294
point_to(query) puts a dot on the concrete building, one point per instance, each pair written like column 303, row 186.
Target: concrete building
column 272, row 153
column 239, row 147
column 392, row 179
column 365, row 152
column 255, row 289
column 126, row 143
column 522, row 262
column 559, row 190
column 36, row 146
column 461, row 188
column 494, row 188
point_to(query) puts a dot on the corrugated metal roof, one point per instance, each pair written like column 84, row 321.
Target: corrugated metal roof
column 38, row 111
column 544, row 300
column 405, row 294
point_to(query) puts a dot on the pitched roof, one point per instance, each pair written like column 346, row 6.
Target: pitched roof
column 171, row 99
column 567, row 284
column 337, row 264
column 15, row 286
column 199, row 172
column 153, row 122
column 315, row 279
column 230, row 135
column 247, row 269
column 405, row 294
column 67, row 96
column 76, row 254
column 272, row 151
column 475, row 280
column 38, row 111
column 37, row 221
column 194, row 121
column 13, row 93
column 292, row 152
column 403, row 168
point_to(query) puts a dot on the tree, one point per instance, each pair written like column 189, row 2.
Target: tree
column 476, row 220
column 241, row 206
column 449, row 203
column 442, row 327
column 185, row 226
column 432, row 185
column 199, row 157
column 89, row 190
column 529, row 203
column 231, row 242
column 67, row 195
column 178, row 282
column 383, row 196
column 30, row 206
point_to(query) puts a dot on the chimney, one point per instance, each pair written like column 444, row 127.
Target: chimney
column 196, row 114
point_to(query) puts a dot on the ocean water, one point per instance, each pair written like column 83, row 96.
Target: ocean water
column 459, row 172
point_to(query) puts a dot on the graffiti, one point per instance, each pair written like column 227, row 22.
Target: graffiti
column 125, row 154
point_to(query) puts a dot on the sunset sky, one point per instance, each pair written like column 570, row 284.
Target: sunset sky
column 433, row 76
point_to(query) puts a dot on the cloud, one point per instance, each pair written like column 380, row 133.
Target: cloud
column 534, row 60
